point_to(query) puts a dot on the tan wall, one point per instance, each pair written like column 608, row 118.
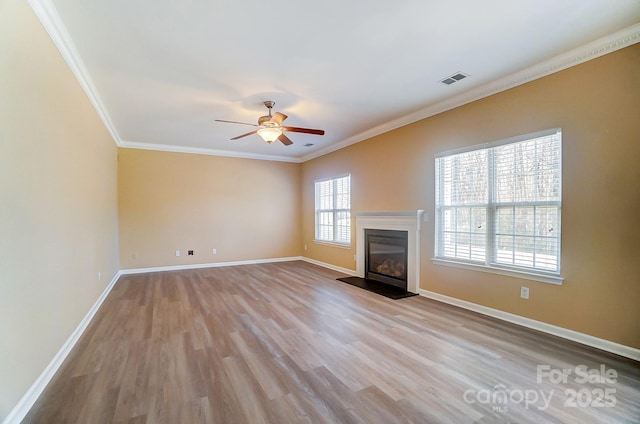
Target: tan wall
column 246, row 209
column 597, row 105
column 60, row 184
column 58, row 214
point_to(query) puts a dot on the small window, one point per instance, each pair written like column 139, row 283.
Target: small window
column 333, row 210
column 498, row 205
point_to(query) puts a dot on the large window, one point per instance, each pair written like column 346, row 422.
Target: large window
column 498, row 206
column 333, row 210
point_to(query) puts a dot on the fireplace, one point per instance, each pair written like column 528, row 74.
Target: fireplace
column 386, row 256
column 403, row 221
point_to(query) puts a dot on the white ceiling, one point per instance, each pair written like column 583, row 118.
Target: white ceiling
column 159, row 72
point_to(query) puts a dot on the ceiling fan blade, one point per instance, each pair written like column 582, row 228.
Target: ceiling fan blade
column 285, row 140
column 234, row 122
column 278, row 118
column 244, row 135
column 304, row 130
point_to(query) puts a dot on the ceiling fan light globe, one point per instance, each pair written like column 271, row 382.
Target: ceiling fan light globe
column 269, row 134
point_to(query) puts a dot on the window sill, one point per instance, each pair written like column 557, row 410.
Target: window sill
column 544, row 278
column 333, row 243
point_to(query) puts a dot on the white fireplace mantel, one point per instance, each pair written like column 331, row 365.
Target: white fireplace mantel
column 408, row 221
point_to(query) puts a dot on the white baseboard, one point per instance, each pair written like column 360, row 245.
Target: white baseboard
column 598, row 343
column 27, row 401
column 347, row 271
column 585, row 339
column 207, row 265
column 235, row 263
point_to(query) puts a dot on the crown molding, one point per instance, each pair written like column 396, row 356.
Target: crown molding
column 595, row 49
column 53, row 24
column 203, row 151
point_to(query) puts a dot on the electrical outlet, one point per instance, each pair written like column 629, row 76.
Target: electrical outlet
column 99, row 276
column 305, row 247
column 524, row 292
column 214, row 251
column 177, row 253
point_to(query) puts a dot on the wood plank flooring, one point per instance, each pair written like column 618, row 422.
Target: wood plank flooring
column 286, row 343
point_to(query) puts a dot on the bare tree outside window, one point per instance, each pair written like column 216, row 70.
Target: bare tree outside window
column 499, row 204
column 333, row 210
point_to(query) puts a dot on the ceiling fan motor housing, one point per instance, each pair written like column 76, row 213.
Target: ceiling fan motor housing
column 269, row 104
column 264, row 119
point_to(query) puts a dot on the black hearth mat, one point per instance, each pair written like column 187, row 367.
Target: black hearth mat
column 377, row 287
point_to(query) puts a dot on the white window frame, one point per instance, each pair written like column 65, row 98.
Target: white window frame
column 490, row 264
column 334, row 211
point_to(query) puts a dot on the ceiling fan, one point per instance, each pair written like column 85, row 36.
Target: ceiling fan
column 270, row 127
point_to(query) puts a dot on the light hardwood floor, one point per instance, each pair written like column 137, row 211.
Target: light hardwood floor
column 286, row 343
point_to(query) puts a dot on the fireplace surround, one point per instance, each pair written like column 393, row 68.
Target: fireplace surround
column 408, row 221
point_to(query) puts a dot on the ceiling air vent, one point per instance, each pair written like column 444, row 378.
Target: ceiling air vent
column 454, row 78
